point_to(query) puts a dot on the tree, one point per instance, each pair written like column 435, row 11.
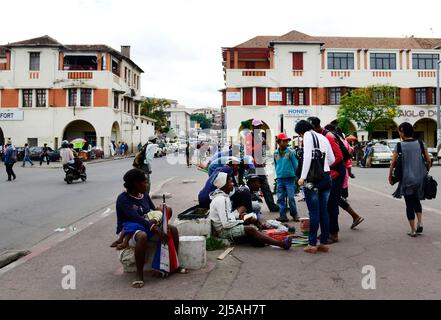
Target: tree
column 154, row 108
column 369, row 107
column 203, row 121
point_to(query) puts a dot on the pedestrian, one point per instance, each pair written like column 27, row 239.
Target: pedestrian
column 338, row 173
column 112, row 148
column 415, row 164
column 126, row 148
column 285, row 163
column 150, row 149
column 118, row 148
column 27, row 154
column 44, row 154
column 255, row 149
column 187, row 154
column 230, row 224
column 317, row 193
column 10, row 160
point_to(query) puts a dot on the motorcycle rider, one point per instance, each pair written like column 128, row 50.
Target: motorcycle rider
column 67, row 156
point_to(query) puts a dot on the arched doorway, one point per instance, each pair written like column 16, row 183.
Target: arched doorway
column 80, row 129
column 2, row 138
column 115, row 134
column 385, row 129
column 425, row 129
column 244, row 131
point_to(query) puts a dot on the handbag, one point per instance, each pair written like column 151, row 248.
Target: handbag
column 430, row 188
column 316, row 170
column 397, row 173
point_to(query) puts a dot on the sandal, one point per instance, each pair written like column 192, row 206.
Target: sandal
column 287, row 243
column 357, row 222
column 138, row 284
column 412, row 234
column 310, row 249
column 323, row 248
column 182, row 271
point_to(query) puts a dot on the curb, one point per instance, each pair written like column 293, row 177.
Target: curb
column 59, row 166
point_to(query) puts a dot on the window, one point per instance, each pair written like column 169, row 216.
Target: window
column 80, row 62
column 136, row 109
column 130, row 78
column 86, row 98
column 247, row 96
column 424, row 61
column 420, row 96
column 383, row 61
column 115, row 68
column 250, row 64
column 115, row 100
column 34, row 61
column 41, row 98
column 27, row 98
column 72, row 97
column 297, row 96
column 340, row 60
column 125, row 74
column 297, row 60
column 433, row 95
column 334, row 96
column 301, row 97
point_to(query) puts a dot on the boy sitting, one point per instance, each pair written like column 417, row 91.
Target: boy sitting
column 231, row 225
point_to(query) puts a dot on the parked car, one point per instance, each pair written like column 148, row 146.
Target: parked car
column 20, row 153
column 96, row 153
column 35, row 152
column 382, row 154
column 162, row 150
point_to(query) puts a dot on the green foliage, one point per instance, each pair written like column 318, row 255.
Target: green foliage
column 214, row 244
column 154, row 108
column 203, row 121
column 369, row 107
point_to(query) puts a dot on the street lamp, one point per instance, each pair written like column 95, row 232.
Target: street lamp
column 438, row 111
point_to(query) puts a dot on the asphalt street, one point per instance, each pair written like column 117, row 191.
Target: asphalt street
column 39, row 201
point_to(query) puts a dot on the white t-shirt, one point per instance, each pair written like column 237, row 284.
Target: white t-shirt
column 66, row 155
column 308, row 146
column 150, row 153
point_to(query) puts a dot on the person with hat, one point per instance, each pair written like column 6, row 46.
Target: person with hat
column 232, row 225
column 285, row 163
column 255, row 142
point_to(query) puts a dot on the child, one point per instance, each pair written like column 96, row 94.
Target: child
column 254, row 184
column 285, row 163
column 230, row 225
column 129, row 229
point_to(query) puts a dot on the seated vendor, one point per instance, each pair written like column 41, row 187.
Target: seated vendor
column 131, row 208
column 230, row 224
column 254, row 184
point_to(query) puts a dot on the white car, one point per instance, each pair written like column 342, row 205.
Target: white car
column 382, row 155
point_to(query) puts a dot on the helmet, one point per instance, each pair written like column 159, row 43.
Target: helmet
column 65, row 144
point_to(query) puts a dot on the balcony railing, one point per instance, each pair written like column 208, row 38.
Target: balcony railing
column 253, row 73
column 75, row 75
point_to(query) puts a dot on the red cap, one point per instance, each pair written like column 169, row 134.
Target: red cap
column 283, row 136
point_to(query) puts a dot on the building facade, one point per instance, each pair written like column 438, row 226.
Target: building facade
column 178, row 119
column 282, row 79
column 50, row 92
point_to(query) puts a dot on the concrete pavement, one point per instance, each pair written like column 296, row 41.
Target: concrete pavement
column 405, row 268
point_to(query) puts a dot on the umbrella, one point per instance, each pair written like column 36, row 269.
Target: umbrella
column 351, row 138
column 78, row 143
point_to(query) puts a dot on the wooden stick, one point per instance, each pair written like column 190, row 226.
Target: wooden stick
column 225, row 253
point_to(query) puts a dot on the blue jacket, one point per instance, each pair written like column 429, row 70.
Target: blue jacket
column 204, row 195
column 8, row 155
column 285, row 163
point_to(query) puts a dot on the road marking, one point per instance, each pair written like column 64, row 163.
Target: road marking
column 391, row 197
column 106, row 213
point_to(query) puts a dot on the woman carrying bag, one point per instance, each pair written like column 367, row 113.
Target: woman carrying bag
column 409, row 166
column 317, row 183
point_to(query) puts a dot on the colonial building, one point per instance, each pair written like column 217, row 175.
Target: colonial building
column 281, row 79
column 50, row 92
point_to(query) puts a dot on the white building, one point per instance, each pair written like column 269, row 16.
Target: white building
column 296, row 75
column 178, row 119
column 50, row 92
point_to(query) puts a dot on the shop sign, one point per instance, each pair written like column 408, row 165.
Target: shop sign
column 275, row 96
column 416, row 114
column 233, row 96
column 298, row 112
column 11, row 115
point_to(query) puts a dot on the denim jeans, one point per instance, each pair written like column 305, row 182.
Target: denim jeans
column 317, row 202
column 27, row 159
column 334, row 199
column 286, row 187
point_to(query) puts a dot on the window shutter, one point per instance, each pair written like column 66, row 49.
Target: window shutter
column 295, row 96
column 283, row 90
column 260, row 96
column 297, row 60
column 250, row 65
column 247, row 96
column 429, row 95
column 306, row 96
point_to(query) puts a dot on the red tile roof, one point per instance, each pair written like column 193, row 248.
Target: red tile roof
column 37, row 42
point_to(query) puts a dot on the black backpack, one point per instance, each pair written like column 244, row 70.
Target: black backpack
column 344, row 150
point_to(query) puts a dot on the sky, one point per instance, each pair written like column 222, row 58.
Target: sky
column 178, row 42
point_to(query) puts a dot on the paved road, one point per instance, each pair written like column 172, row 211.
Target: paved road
column 376, row 179
column 39, row 201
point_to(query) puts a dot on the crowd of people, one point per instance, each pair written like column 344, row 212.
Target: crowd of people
column 118, row 148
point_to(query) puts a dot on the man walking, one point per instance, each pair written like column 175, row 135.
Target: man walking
column 26, row 157
column 10, row 159
column 338, row 174
column 187, row 154
column 285, row 163
column 44, row 154
column 254, row 148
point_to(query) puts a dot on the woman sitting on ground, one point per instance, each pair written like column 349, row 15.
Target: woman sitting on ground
column 230, row 225
column 131, row 207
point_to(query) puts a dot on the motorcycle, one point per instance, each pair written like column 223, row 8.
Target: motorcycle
column 72, row 173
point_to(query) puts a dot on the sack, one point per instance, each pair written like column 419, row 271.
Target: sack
column 430, row 188
column 139, row 159
column 316, row 170
column 397, row 173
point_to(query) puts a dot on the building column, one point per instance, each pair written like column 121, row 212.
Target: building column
column 271, row 58
column 228, row 58
column 236, row 60
column 8, row 60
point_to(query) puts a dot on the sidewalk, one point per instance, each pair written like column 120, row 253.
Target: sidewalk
column 405, row 268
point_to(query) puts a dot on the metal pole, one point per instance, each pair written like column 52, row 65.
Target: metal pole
column 438, row 111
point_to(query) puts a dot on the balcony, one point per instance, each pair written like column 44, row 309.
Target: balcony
column 76, row 75
column 250, row 77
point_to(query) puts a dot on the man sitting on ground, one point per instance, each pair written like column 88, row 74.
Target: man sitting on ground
column 231, row 224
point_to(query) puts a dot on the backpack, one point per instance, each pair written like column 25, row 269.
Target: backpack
column 139, row 159
column 13, row 156
column 343, row 149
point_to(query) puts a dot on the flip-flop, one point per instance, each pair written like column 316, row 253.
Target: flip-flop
column 356, row 223
column 182, row 271
column 138, row 284
column 412, row 234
